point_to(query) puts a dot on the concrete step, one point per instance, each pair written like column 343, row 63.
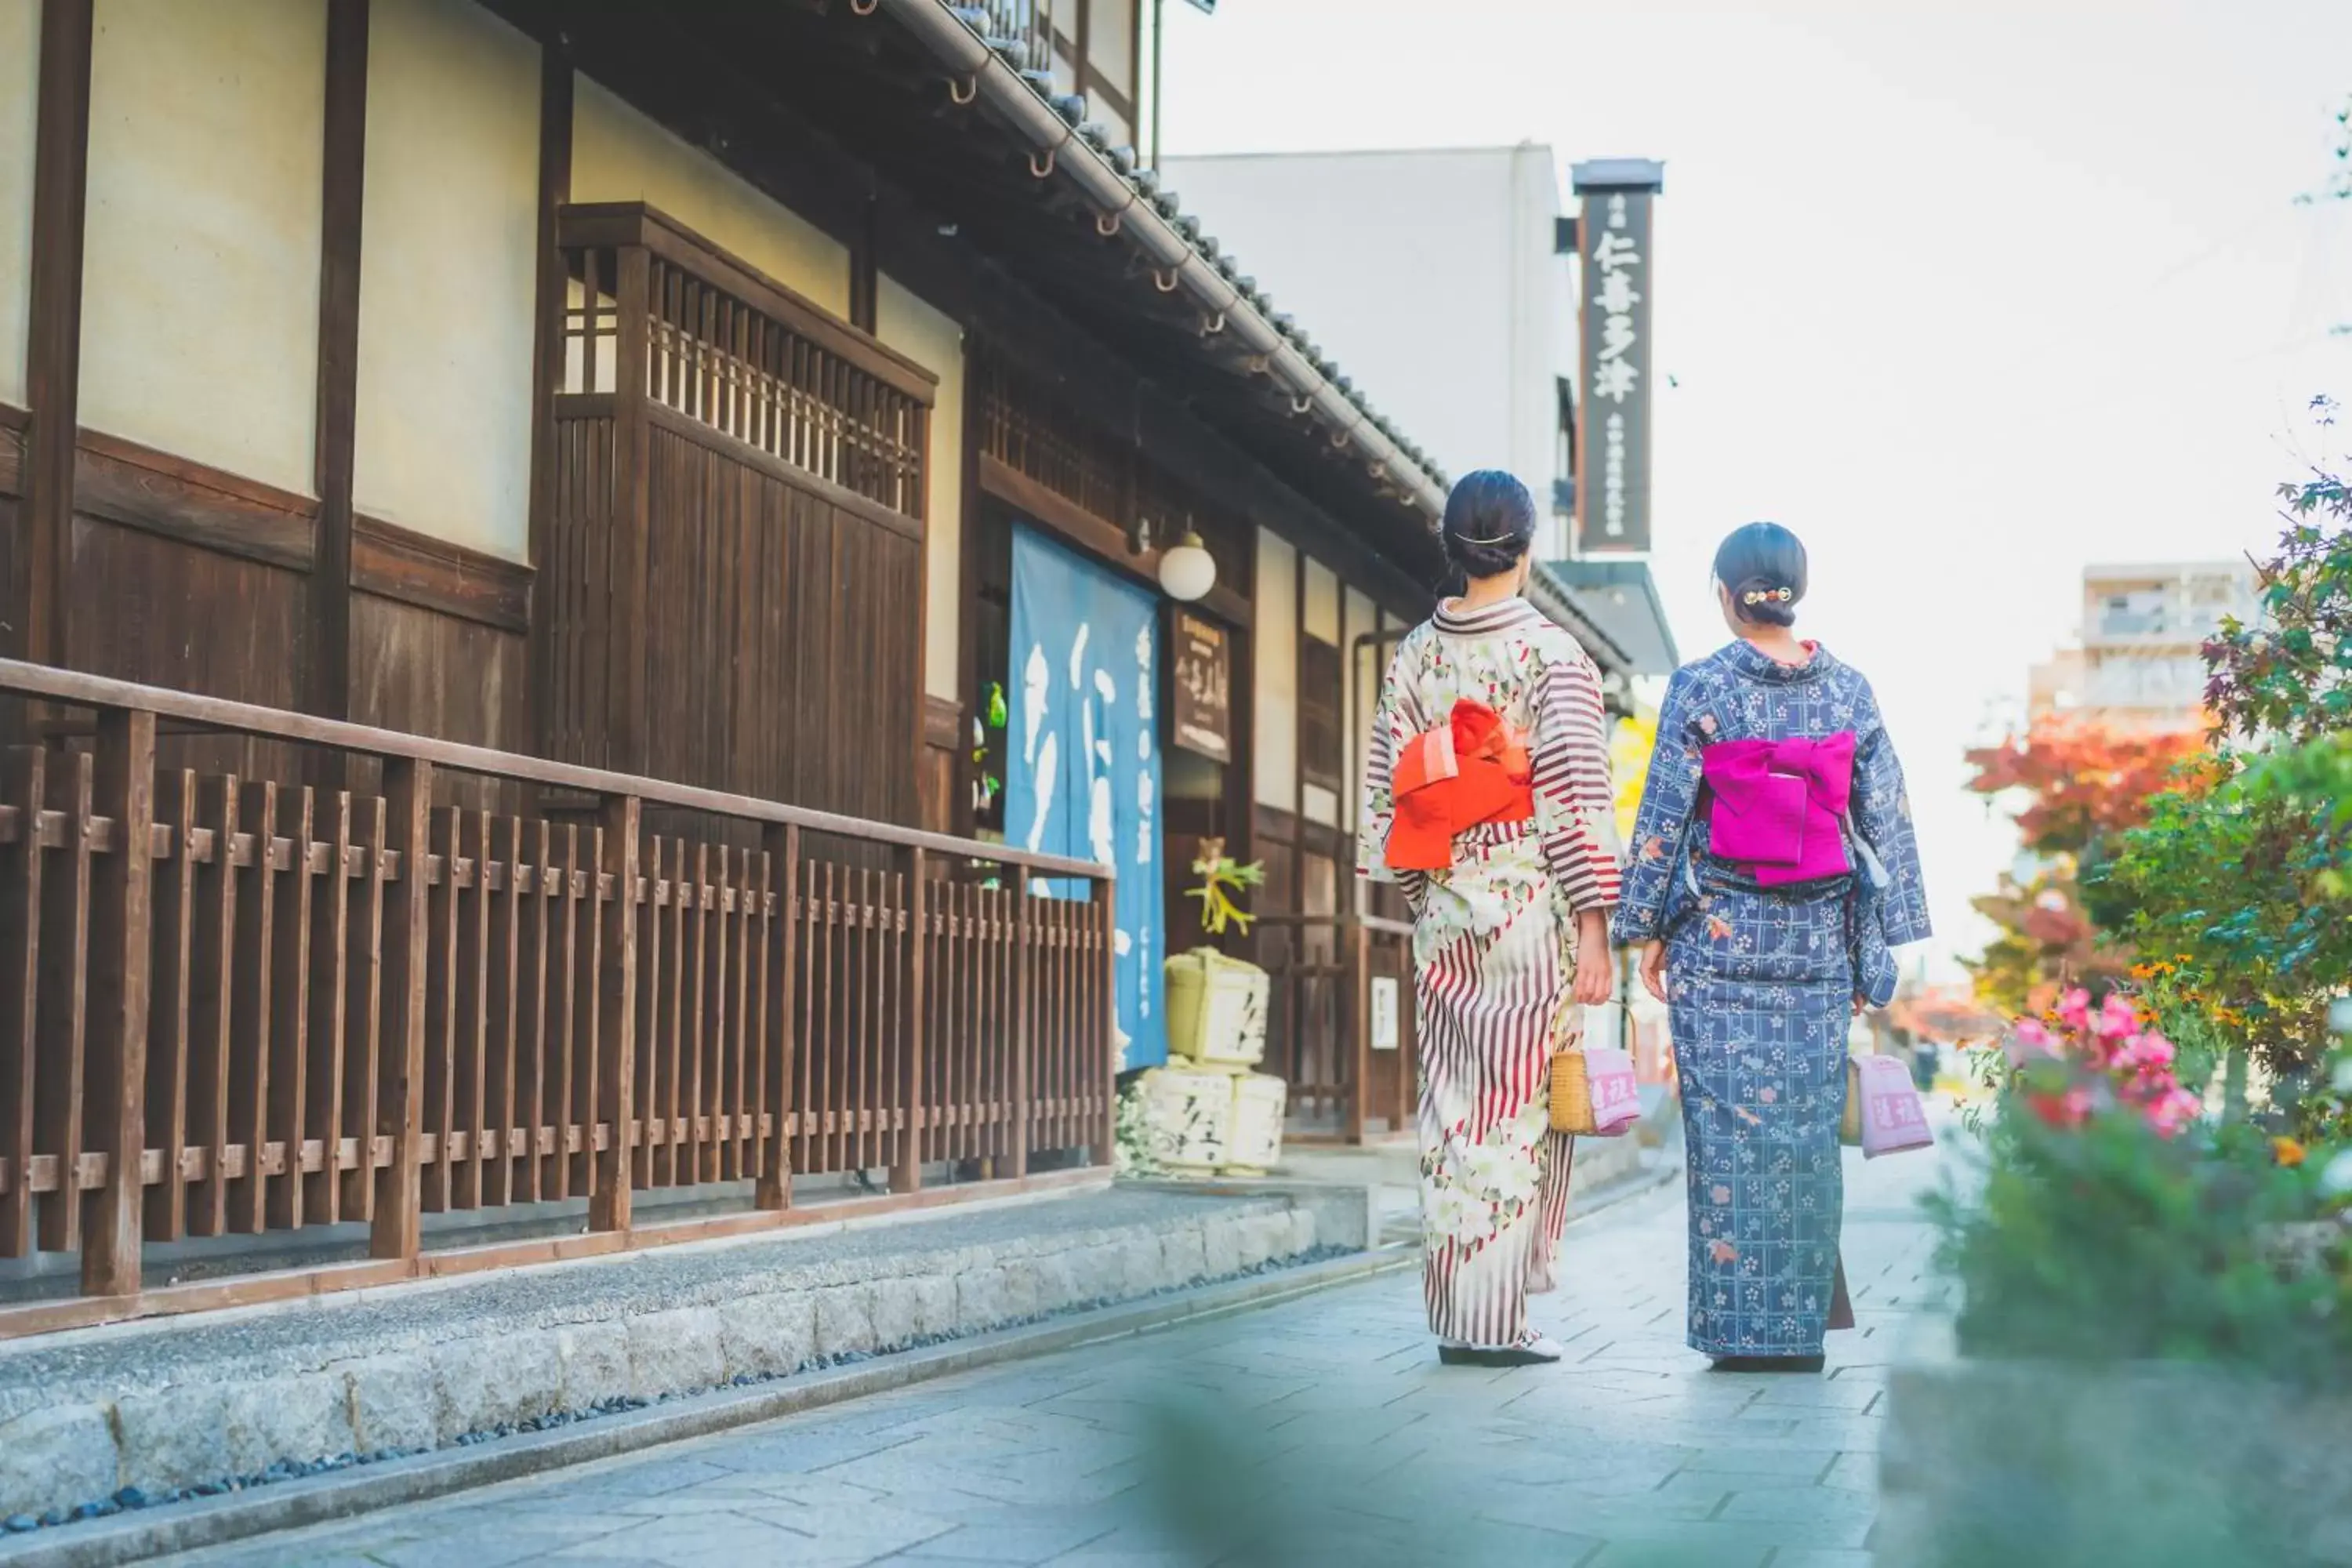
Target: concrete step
column 133, row 1413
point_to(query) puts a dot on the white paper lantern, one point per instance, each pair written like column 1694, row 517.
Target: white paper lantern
column 1186, row 570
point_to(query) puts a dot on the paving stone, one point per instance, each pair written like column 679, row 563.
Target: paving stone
column 496, row 1380
column 1185, row 1256
column 767, row 1336
column 1316, row 1431
column 936, row 1309
column 896, row 1314
column 844, row 1321
column 595, row 1358
column 47, row 1456
column 983, row 1299
column 300, row 1418
column 173, row 1437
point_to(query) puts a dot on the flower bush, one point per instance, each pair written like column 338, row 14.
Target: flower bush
column 2109, row 1222
column 2084, row 1060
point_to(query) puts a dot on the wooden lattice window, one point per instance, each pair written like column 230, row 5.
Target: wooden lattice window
column 740, row 354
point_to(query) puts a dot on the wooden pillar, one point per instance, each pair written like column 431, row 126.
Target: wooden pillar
column 115, row 1089
column 620, row 834
column 631, row 537
column 53, row 352
column 397, row 1221
column 555, row 88
column 328, row 689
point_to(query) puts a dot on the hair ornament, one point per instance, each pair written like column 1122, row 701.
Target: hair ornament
column 1767, row 597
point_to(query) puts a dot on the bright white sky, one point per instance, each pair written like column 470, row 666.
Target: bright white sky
column 1967, row 292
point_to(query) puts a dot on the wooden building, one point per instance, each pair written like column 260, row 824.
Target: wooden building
column 513, row 447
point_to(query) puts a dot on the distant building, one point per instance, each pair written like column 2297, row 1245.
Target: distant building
column 1437, row 277
column 2138, row 665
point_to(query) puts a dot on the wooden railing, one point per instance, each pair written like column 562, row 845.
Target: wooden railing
column 1024, row 28
column 1321, row 1019
column 230, row 1007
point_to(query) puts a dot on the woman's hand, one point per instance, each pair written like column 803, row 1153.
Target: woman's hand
column 1596, row 970
column 1653, row 968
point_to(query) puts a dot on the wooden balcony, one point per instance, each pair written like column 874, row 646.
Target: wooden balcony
column 233, row 1007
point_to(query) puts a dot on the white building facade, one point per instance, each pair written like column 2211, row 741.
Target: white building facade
column 1442, row 278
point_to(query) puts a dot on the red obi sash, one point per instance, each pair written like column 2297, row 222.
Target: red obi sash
column 1779, row 806
column 1471, row 769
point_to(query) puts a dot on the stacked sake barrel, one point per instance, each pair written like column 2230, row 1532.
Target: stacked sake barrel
column 1209, row 1112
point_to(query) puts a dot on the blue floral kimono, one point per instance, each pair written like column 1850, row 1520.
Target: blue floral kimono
column 1761, row 989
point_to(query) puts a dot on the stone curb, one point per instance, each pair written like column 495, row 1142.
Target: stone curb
column 290, row 1505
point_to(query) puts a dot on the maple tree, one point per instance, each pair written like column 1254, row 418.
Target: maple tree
column 2079, row 785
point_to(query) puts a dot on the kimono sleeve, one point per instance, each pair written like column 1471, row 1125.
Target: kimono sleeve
column 1662, row 827
column 1576, row 809
column 1881, row 819
column 1396, row 718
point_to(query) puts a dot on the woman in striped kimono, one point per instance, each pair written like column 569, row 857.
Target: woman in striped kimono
column 1486, row 797
column 1763, row 939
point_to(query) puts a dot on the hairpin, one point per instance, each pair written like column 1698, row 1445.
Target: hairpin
column 1498, row 539
column 1762, row 595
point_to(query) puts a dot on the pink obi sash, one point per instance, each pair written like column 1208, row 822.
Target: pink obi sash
column 1779, row 806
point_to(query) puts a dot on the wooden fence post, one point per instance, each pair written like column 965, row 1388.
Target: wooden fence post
column 907, row 1175
column 781, row 1042
column 119, row 976
column 1103, row 1068
column 1023, row 1053
column 1355, row 1024
column 397, row 1225
column 613, row 1178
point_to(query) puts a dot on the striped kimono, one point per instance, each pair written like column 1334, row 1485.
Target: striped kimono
column 1494, row 954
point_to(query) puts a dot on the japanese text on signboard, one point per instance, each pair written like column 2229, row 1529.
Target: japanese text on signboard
column 1614, row 488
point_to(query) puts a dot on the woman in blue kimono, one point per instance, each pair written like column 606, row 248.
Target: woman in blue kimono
column 1763, row 957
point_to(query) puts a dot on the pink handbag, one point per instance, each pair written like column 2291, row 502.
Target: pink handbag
column 1595, row 1093
column 1884, row 1113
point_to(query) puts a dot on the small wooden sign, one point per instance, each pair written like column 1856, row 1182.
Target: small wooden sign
column 1202, row 668
column 1384, row 1012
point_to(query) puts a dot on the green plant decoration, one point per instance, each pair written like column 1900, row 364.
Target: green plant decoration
column 993, row 717
column 1220, row 878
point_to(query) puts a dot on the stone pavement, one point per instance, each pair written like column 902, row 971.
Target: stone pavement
column 1321, row 1430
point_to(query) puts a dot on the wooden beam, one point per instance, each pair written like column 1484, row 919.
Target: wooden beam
column 865, row 273
column 53, row 353
column 555, row 88
column 327, row 691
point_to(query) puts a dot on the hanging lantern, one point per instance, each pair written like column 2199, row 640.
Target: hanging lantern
column 1186, row 569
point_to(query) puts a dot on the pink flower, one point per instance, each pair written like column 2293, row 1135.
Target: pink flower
column 1719, row 1193
column 2074, row 1009
column 1722, row 1252
column 2117, row 1018
column 2172, row 1110
column 1768, row 1095
column 2029, row 1040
